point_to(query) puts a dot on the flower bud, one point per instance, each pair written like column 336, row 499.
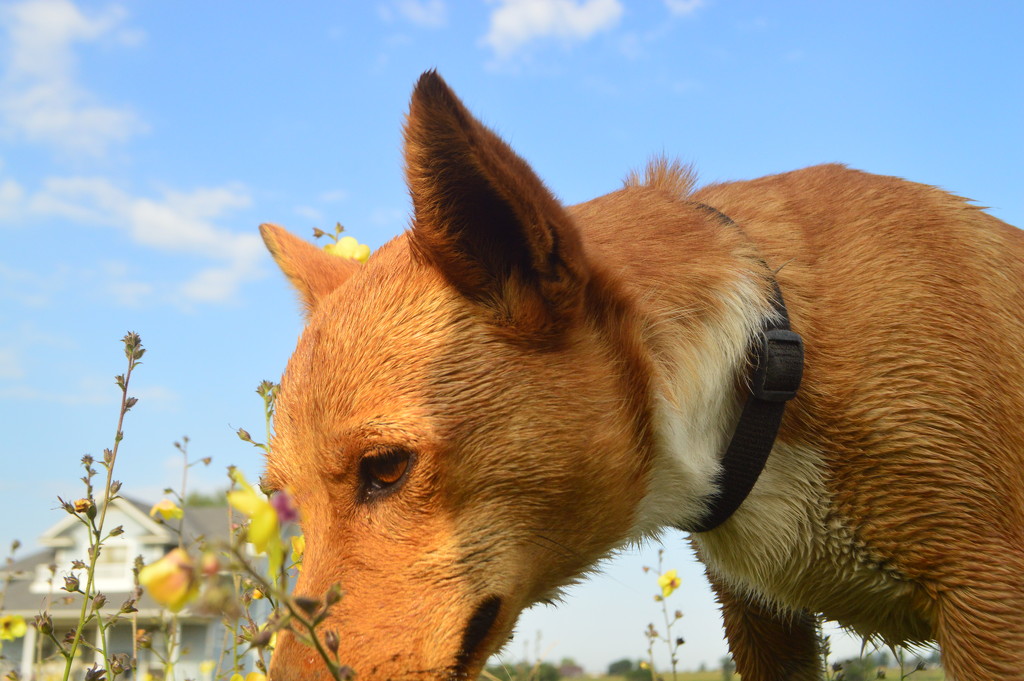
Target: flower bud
column 71, row 584
column 96, row 673
column 307, row 605
column 332, row 641
column 99, row 601
column 261, row 639
column 44, row 624
column 333, row 595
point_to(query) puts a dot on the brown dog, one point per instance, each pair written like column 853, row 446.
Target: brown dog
column 513, row 388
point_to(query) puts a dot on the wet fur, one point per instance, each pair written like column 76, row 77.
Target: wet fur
column 567, row 378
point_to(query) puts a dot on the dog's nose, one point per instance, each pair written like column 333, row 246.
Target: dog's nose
column 479, row 626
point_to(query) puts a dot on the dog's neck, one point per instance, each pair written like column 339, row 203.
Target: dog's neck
column 698, row 392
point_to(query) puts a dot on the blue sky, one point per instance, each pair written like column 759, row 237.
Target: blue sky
column 141, row 143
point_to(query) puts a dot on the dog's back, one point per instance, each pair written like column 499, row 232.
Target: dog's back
column 912, row 304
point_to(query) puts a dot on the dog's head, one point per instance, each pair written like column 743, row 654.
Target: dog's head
column 454, row 421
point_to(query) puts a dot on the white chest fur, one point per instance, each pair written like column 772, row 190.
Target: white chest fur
column 785, row 546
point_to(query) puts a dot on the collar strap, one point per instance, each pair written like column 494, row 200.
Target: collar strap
column 777, row 358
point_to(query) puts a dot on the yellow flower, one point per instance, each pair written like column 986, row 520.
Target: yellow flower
column 348, row 247
column 263, row 531
column 668, row 582
column 207, row 666
column 12, row 627
column 644, row 664
column 167, row 509
column 171, row 581
column 298, row 548
column 251, row 676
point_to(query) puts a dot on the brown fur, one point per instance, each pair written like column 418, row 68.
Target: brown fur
column 566, row 378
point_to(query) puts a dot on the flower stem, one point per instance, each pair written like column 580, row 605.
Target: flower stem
column 133, row 351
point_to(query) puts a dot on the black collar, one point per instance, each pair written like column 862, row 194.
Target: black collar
column 777, row 358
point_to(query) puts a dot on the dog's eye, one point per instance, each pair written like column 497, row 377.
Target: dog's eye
column 381, row 473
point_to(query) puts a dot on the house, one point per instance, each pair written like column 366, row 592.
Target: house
column 36, row 581
column 570, row 670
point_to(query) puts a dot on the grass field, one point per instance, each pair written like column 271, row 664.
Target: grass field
column 716, row 675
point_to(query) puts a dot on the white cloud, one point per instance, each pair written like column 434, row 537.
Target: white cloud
column 219, row 284
column 119, row 286
column 334, row 196
column 23, row 346
column 683, row 7
column 11, row 197
column 30, row 289
column 309, row 213
column 158, row 395
column 514, row 23
column 424, row 13
column 175, row 222
column 40, row 100
column 88, row 391
column 11, row 364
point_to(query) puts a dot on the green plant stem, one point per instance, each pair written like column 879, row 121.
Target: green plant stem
column 669, row 641
column 133, row 353
column 295, row 613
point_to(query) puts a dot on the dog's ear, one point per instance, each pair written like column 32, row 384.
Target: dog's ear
column 311, row 271
column 484, row 218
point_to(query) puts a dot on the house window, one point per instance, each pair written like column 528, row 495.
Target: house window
column 112, row 562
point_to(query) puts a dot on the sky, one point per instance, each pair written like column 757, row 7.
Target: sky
column 142, row 142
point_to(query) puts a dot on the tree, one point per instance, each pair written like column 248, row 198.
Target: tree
column 728, row 667
column 638, row 673
column 524, row 672
column 547, row 672
column 620, row 667
column 860, row 669
column 201, row 500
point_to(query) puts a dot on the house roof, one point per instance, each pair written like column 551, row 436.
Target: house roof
column 210, row 522
column 27, row 565
column 200, row 524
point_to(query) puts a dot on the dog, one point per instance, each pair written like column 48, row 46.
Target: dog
column 513, row 389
